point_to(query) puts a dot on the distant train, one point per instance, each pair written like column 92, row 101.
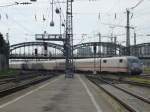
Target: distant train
column 126, row 64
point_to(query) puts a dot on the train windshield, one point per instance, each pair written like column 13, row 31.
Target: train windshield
column 134, row 60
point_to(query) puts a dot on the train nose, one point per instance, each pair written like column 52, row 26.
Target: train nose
column 136, row 68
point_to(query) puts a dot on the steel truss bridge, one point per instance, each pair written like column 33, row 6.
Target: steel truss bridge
column 47, row 50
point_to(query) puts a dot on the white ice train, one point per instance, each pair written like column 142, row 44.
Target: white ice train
column 126, row 64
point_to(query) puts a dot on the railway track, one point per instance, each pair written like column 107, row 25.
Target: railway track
column 21, row 75
column 142, row 76
column 22, row 82
column 16, row 78
column 127, row 80
column 131, row 101
column 145, row 75
column 7, row 80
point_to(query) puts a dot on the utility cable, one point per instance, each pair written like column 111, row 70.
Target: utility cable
column 8, row 5
column 61, row 11
column 20, row 25
column 137, row 4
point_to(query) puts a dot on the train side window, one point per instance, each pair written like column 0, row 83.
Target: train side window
column 120, row 60
column 104, row 61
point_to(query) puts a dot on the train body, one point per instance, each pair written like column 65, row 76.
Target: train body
column 126, row 64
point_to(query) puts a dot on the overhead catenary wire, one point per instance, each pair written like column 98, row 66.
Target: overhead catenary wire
column 59, row 3
column 8, row 5
column 62, row 12
column 47, row 16
column 20, row 25
column 137, row 4
column 15, row 3
column 17, row 23
column 24, row 28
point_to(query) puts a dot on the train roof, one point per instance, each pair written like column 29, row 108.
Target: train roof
column 79, row 60
column 107, row 58
column 123, row 57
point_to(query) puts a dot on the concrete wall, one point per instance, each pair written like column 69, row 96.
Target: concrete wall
column 3, row 62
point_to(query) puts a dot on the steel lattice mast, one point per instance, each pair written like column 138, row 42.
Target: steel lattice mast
column 68, row 44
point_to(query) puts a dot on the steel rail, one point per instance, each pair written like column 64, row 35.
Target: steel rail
column 126, row 106
column 23, row 86
column 95, row 81
column 129, row 82
column 124, row 90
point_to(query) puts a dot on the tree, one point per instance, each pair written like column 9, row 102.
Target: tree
column 3, row 45
column 1, row 41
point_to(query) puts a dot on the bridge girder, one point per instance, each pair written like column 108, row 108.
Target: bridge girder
column 140, row 50
column 111, row 47
column 61, row 47
column 97, row 44
column 25, row 44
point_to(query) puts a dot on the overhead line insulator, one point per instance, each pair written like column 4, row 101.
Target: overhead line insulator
column 25, row 3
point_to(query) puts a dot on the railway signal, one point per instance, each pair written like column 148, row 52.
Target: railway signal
column 94, row 49
column 45, row 49
column 36, row 52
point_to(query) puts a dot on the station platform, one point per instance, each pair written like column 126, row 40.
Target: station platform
column 59, row 95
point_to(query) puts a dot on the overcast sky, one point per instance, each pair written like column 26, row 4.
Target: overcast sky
column 88, row 18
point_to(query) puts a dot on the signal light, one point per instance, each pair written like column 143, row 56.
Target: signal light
column 36, row 52
column 94, row 48
column 45, row 46
column 52, row 23
column 63, row 24
column 57, row 11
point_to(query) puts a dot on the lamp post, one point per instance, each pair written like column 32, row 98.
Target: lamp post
column 52, row 22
